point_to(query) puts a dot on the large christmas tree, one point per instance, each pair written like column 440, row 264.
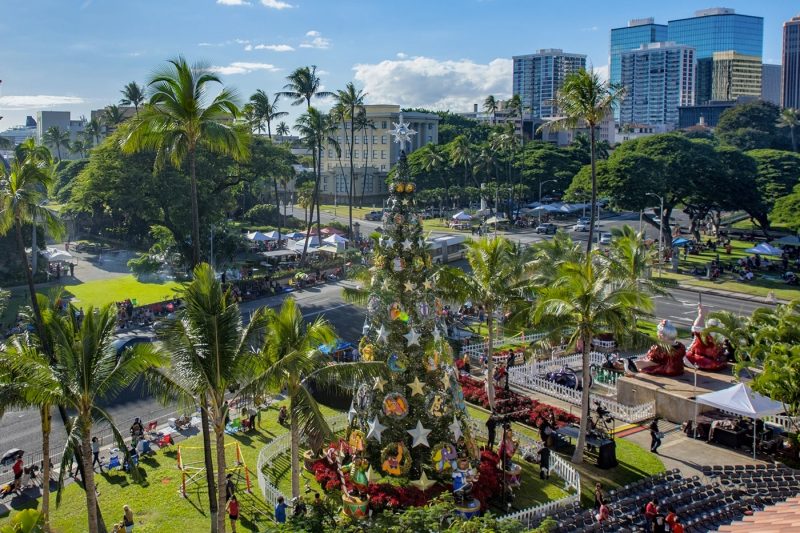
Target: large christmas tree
column 415, row 421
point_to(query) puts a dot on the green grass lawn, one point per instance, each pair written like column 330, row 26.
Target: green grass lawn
column 101, row 292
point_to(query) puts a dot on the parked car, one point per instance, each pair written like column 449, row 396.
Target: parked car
column 546, row 228
column 605, row 238
column 583, row 220
column 583, row 226
column 374, row 216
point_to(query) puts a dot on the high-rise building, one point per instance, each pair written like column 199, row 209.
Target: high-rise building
column 716, row 30
column 790, row 80
column 771, row 83
column 539, row 76
column 658, row 77
column 631, row 37
column 735, row 75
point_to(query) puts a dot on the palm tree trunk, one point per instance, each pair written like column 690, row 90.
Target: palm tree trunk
column 37, row 312
column 319, row 178
column 311, row 208
column 577, row 456
column 44, row 411
column 88, row 473
column 594, row 197
column 209, row 464
column 295, row 449
column 352, row 175
column 364, row 183
column 278, row 205
column 195, row 212
column 490, row 359
column 794, row 144
column 219, row 429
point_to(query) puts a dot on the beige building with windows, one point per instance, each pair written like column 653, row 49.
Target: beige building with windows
column 374, row 149
column 735, row 75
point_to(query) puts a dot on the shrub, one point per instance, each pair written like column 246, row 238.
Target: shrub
column 262, row 214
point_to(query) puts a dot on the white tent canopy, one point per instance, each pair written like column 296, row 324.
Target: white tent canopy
column 54, row 254
column 764, row 249
column 461, row 215
column 496, row 220
column 257, row 236
column 741, row 400
column 789, row 240
column 334, row 239
column 273, row 235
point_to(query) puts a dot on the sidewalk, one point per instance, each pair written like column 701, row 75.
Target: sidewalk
column 730, row 294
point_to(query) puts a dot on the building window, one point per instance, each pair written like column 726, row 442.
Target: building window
column 330, row 153
column 384, row 125
column 430, row 126
column 383, row 168
column 383, row 154
column 355, row 154
column 365, row 154
column 355, row 139
column 339, row 139
column 374, row 154
column 374, row 139
column 366, row 139
column 383, row 139
column 430, row 139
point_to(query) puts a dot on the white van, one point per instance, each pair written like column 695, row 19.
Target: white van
column 446, row 248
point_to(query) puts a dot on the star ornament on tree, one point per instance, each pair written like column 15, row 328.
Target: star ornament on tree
column 455, row 428
column 401, row 132
column 423, row 483
column 379, row 383
column 375, row 429
column 420, row 435
column 412, row 337
column 416, row 387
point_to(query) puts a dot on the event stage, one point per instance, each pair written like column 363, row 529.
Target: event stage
column 674, row 396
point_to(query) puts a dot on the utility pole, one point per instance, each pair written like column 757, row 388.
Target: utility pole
column 540, row 197
column 660, row 229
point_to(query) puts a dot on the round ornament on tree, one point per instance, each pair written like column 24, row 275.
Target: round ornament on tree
column 395, row 459
column 395, row 405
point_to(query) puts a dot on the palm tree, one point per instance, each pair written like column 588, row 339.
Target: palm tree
column 56, row 137
column 584, row 300
column 514, row 106
column 316, row 129
column 352, row 100
column 490, row 106
column 79, row 147
column 631, row 259
column 282, row 129
column 179, row 119
column 363, row 124
column 790, row 118
column 92, row 131
column 132, row 94
column 265, row 109
column 461, row 154
column 87, row 374
column 291, row 361
column 432, row 161
column 210, row 349
column 585, row 98
column 492, row 283
column 304, row 84
column 22, row 193
column 113, row 116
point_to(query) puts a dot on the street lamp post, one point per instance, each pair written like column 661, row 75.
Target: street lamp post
column 540, row 197
column 660, row 229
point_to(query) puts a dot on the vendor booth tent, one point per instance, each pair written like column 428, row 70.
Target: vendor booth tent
column 764, row 249
column 680, row 241
column 273, row 235
column 789, row 240
column 496, row 220
column 741, row 400
column 461, row 215
column 294, row 235
column 54, row 254
column 257, row 236
column 334, row 239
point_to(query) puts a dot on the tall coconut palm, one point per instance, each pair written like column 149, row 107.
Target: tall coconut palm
column 352, row 100
column 265, row 109
column 209, row 348
column 79, row 146
column 282, row 129
column 790, row 118
column 586, row 99
column 461, row 154
column 132, row 94
column 181, row 117
column 56, row 137
column 490, row 105
column 304, row 84
column 492, row 283
column 87, row 373
column 433, row 162
column 291, row 361
column 586, row 299
column 631, row 258
column 514, row 106
column 22, row 192
column 316, row 129
column 113, row 116
column 92, row 131
column 364, row 124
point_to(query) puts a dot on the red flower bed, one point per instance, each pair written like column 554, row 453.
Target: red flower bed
column 527, row 410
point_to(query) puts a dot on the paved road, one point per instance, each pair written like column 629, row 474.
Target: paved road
column 20, row 429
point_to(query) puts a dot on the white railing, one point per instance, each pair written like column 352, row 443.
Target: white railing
column 279, row 446
column 789, row 423
column 476, row 350
column 530, row 377
column 532, row 516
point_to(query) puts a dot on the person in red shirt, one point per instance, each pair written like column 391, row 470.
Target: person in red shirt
column 672, row 517
column 677, row 527
column 18, row 469
column 650, row 512
column 233, row 512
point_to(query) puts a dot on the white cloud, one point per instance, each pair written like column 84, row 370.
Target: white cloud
column 233, row 2
column 317, row 40
column 243, row 67
column 427, row 82
column 601, row 71
column 276, row 4
column 590, row 28
column 271, row 47
column 401, row 55
column 38, row 101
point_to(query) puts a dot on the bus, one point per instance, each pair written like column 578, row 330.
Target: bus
column 446, row 248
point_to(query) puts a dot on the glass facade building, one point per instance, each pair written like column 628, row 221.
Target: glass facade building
column 717, row 30
column 631, row 37
column 539, row 76
column 790, row 80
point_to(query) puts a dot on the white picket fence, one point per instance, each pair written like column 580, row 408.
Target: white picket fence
column 788, row 423
column 530, row 377
column 279, row 446
column 477, row 350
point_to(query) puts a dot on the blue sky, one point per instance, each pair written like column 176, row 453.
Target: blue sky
column 77, row 54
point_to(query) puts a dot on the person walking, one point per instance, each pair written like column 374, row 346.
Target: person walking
column 491, row 430
column 96, row 453
column 280, row 511
column 544, row 463
column 650, row 512
column 18, row 469
column 655, row 435
column 599, row 498
column 127, row 518
column 230, row 487
column 233, row 512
